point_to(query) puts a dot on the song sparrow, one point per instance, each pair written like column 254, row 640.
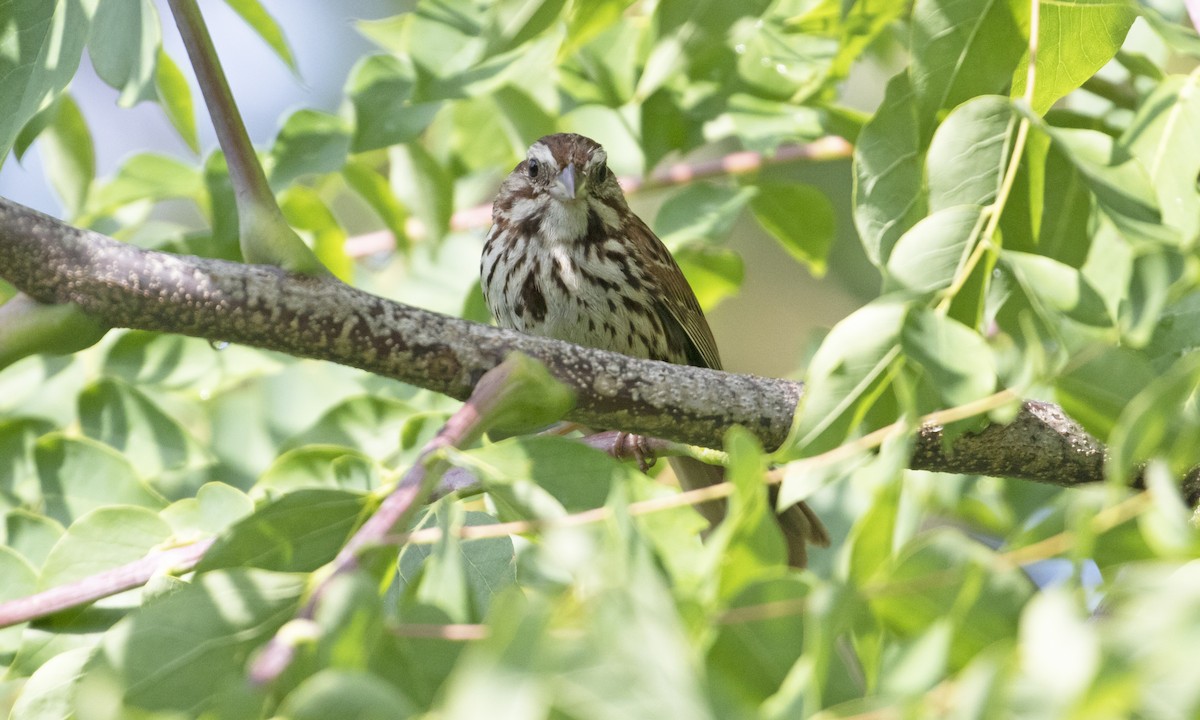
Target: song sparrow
column 566, row 258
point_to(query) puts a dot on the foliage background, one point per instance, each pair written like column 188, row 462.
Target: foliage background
column 932, row 600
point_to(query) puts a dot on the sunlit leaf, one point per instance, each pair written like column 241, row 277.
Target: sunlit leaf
column 1075, row 39
column 175, row 96
column 888, row 172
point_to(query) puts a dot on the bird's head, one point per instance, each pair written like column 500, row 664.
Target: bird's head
column 569, row 168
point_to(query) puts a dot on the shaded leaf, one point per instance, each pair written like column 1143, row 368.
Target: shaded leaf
column 78, row 475
column 800, row 217
column 310, row 142
column 124, row 44
column 188, row 651
column 299, row 532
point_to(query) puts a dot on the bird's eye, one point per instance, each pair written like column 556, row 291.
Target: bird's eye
column 600, row 173
column 533, row 168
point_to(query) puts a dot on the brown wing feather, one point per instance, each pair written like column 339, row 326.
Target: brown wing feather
column 676, row 299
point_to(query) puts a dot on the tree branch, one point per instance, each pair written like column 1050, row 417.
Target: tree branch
column 322, row 318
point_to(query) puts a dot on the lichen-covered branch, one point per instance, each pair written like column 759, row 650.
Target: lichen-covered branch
column 319, row 317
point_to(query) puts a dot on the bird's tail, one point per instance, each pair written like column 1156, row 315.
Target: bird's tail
column 799, row 523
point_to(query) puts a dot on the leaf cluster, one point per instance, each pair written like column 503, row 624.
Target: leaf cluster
column 1026, row 191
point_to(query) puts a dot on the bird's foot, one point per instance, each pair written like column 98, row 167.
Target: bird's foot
column 636, row 447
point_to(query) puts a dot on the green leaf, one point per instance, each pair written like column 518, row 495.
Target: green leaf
column 969, row 153
column 349, row 694
column 931, row 254
column 31, row 535
column 147, row 359
column 28, row 327
column 944, row 574
column 188, row 651
column 714, row 273
column 1061, row 670
column 1049, row 210
column 778, row 64
column 1176, row 34
column 1119, row 183
column 43, row 43
column 872, row 539
column 540, row 476
column 889, row 172
column 307, row 212
column 215, row 507
column 124, row 44
column 257, row 17
column 373, row 188
column 511, row 23
column 318, row 466
column 101, row 540
column 845, row 376
column 700, row 211
column 121, row 416
column 146, row 177
column 368, row 423
column 748, row 543
column 299, row 532
column 68, row 155
column 1056, row 288
column 1177, row 332
column 310, row 142
column 963, row 48
column 423, row 185
column 1075, row 39
column 50, row 691
column 382, row 90
column 588, row 18
column 749, row 659
column 763, row 125
column 454, row 578
column 523, row 117
column 175, row 96
column 1152, row 278
column 1165, row 136
column 18, row 437
column 957, row 359
column 39, row 122
column 1161, row 421
column 222, row 209
column 800, row 217
column 78, row 475
column 1100, row 385
column 20, row 580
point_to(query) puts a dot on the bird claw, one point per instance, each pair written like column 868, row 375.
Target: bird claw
column 637, row 447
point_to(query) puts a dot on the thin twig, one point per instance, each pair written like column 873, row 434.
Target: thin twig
column 101, row 585
column 737, row 163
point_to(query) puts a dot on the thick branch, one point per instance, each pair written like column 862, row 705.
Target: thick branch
column 324, row 319
column 318, row 317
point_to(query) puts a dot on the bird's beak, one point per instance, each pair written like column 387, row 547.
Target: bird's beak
column 566, row 181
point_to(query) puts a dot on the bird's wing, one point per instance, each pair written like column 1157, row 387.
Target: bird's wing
column 676, row 303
